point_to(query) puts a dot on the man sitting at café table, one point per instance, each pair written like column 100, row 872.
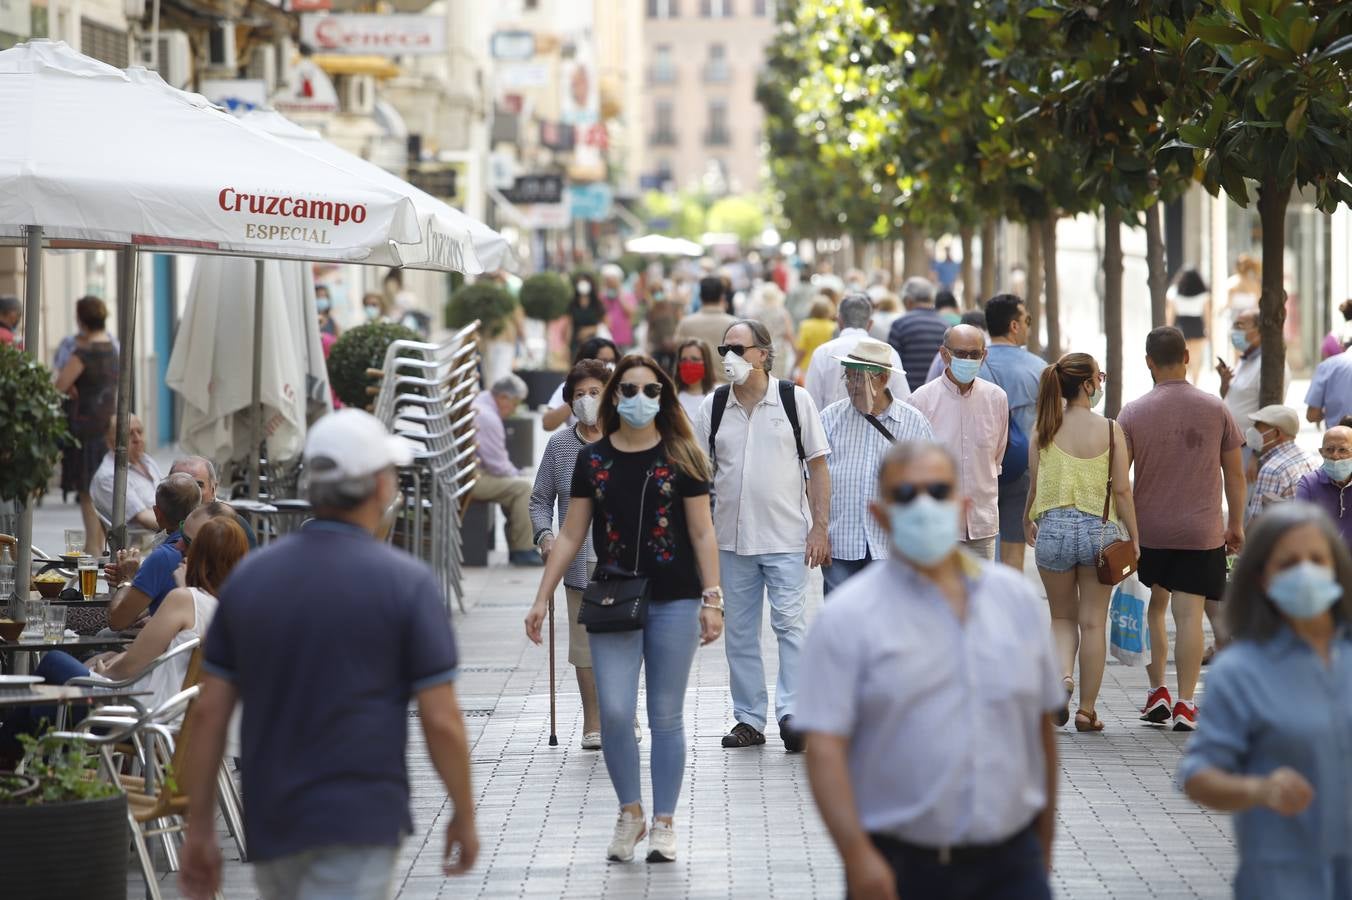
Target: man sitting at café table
column 143, row 585
column 143, row 475
column 203, row 471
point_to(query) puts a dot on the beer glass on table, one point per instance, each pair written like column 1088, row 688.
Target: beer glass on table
column 89, row 577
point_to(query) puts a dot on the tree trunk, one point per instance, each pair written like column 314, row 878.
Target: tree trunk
column 915, row 261
column 890, row 261
column 1158, row 277
column 1112, row 306
column 967, row 276
column 1052, row 288
column 1033, row 300
column 987, row 260
column 1272, row 200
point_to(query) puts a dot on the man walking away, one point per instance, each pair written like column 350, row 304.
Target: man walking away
column 1018, row 373
column 854, row 316
column 918, row 805
column 971, row 418
column 916, row 336
column 711, row 321
column 771, row 519
column 1182, row 441
column 326, row 635
column 860, row 430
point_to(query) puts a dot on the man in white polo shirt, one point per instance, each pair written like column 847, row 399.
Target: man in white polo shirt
column 771, row 513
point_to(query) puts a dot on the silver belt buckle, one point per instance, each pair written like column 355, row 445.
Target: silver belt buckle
column 945, row 855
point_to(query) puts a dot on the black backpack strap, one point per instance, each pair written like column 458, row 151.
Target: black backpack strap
column 790, row 404
column 716, row 417
column 882, row 429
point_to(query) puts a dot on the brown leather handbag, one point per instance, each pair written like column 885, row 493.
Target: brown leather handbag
column 1116, row 560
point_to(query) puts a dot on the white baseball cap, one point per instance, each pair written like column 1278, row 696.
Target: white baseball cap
column 351, row 443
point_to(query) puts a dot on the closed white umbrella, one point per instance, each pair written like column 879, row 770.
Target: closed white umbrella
column 661, row 245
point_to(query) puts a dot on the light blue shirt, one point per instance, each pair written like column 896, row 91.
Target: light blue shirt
column 1331, row 388
column 1018, row 372
column 886, row 665
column 1273, row 704
column 857, row 451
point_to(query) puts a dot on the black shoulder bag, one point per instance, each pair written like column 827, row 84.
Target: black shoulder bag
column 616, row 600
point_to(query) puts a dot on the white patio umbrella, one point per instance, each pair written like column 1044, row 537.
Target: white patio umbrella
column 661, row 245
column 449, row 236
column 172, row 173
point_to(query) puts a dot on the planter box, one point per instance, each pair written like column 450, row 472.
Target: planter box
column 542, row 383
column 520, row 434
column 66, row 850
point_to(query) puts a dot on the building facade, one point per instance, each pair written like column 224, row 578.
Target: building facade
column 702, row 121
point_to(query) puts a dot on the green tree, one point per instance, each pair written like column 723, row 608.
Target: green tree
column 1268, row 102
column 679, row 214
column 737, row 215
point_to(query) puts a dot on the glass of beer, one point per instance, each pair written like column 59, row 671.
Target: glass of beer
column 89, row 577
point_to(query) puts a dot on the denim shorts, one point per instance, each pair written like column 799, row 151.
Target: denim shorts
column 1068, row 537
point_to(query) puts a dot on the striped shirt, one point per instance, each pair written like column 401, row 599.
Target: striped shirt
column 916, row 337
column 1279, row 473
column 857, row 451
column 553, row 485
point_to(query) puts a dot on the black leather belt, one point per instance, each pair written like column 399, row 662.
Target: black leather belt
column 951, row 855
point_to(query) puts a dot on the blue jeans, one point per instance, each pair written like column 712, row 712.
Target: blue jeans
column 746, row 580
column 329, row 873
column 665, row 648
column 841, row 570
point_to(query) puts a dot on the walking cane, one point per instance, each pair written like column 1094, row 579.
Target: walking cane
column 553, row 720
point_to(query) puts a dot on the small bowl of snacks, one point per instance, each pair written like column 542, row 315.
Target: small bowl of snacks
column 49, row 584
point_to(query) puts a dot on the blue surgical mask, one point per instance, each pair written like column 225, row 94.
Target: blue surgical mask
column 372, row 312
column 1096, row 398
column 639, row 410
column 925, row 530
column 1305, row 590
column 322, row 305
column 1240, row 340
column 1338, row 469
column 964, row 370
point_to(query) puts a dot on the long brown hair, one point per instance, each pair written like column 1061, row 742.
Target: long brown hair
column 1060, row 381
column 220, row 543
column 672, row 423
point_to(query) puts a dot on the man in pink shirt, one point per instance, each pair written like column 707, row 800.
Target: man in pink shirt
column 1181, row 440
column 970, row 416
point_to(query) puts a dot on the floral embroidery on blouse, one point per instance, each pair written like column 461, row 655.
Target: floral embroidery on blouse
column 661, row 539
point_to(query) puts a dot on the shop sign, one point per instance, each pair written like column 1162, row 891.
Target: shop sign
column 545, row 189
column 380, row 35
column 308, row 90
column 310, row 5
column 512, row 45
column 591, row 202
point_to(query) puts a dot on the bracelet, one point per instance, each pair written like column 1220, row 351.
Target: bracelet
column 714, row 591
column 704, row 604
column 544, row 533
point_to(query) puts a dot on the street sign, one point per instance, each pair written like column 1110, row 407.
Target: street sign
column 528, row 189
column 380, row 35
column 512, row 45
column 591, row 202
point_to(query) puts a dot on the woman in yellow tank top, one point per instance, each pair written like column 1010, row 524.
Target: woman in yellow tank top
column 1068, row 462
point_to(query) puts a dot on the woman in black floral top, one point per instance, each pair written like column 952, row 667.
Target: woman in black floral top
column 644, row 491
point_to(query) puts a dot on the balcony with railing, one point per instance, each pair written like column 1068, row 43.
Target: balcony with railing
column 717, row 72
column 662, row 73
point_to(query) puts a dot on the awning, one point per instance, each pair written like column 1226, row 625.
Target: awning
column 336, row 64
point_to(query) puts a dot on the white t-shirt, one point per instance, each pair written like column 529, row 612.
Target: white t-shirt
column 140, row 489
column 824, row 381
column 556, row 400
column 691, row 404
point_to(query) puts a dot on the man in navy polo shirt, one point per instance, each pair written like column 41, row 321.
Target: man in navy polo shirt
column 325, row 636
column 150, row 581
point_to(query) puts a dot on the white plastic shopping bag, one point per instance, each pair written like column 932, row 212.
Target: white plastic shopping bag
column 1129, row 636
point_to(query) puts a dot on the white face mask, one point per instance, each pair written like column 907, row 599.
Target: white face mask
column 586, row 408
column 583, row 288
column 735, row 368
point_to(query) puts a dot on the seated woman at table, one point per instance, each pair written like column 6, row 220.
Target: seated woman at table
column 185, row 614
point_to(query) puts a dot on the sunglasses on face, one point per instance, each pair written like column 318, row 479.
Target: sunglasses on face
column 652, row 390
column 906, row 493
column 739, row 349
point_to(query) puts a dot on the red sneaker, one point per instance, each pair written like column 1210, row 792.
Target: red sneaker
column 1157, row 706
column 1185, row 716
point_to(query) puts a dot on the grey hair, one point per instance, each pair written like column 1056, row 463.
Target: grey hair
column 855, row 311
column 904, row 453
column 761, row 334
column 184, row 462
column 918, row 291
column 510, row 386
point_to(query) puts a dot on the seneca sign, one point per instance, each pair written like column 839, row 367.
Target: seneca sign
column 383, row 35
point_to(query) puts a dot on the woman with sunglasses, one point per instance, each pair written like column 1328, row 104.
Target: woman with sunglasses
column 695, row 372
column 644, row 491
column 1068, row 463
column 553, row 477
column 1275, row 747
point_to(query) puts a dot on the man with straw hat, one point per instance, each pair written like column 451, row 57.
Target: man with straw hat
column 860, row 429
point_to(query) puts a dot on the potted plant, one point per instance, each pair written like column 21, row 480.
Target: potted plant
column 486, row 301
column 70, row 825
column 359, row 349
column 544, row 298
column 33, row 423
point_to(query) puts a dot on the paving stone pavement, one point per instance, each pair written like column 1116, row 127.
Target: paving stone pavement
column 746, row 823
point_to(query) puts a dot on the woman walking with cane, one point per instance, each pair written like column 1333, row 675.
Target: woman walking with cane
column 644, row 490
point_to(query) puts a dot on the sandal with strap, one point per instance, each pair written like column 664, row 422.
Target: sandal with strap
column 1063, row 714
column 1087, row 721
column 743, row 735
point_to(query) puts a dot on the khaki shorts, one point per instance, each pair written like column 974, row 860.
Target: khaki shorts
column 579, row 645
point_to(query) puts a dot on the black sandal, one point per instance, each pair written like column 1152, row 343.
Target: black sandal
column 743, row 735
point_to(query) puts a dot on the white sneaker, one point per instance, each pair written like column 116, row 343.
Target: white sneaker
column 629, row 830
column 662, row 842
column 591, row 740
column 638, row 732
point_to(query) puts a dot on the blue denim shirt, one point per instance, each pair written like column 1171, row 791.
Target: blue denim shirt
column 1273, row 704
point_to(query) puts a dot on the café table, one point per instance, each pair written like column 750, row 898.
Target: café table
column 47, row 694
column 22, row 664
